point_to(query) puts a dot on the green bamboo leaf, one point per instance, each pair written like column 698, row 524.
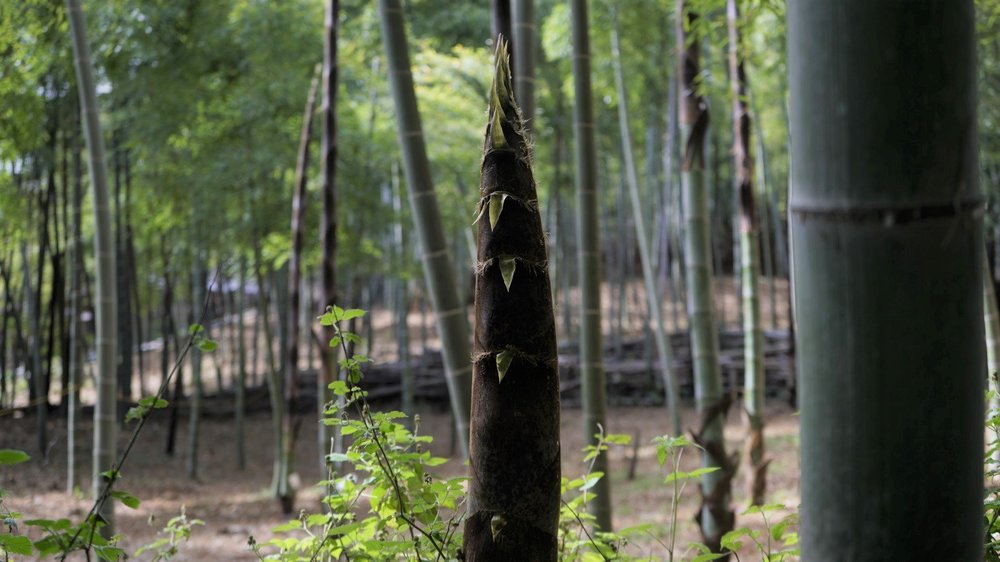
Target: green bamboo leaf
column 504, row 359
column 507, row 266
column 497, row 201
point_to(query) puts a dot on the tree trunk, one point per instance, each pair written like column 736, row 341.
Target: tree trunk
column 753, row 338
column 670, row 210
column 170, row 335
column 38, row 394
column 887, row 243
column 105, row 427
column 588, row 255
column 652, row 293
column 514, row 444
column 77, row 349
column 291, row 420
column 241, row 359
column 991, row 322
column 41, row 384
column 402, row 299
column 65, row 280
column 252, row 376
column 197, row 388
column 452, row 322
column 121, row 277
column 132, row 274
column 500, row 22
column 4, row 314
column 273, row 375
column 19, row 342
column 715, row 518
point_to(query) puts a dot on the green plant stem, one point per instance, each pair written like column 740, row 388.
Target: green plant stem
column 583, row 527
column 116, row 468
column 364, row 412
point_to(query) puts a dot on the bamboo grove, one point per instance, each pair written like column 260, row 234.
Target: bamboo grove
column 679, row 209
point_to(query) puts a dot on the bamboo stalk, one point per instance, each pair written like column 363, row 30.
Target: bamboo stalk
column 514, row 446
column 715, row 517
column 887, row 247
column 593, row 391
column 450, row 313
column 652, row 293
column 753, row 338
column 105, row 428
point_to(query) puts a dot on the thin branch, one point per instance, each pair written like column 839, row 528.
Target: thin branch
column 116, row 469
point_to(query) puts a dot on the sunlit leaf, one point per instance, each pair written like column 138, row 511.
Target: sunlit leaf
column 681, row 475
column 126, row 498
column 16, row 544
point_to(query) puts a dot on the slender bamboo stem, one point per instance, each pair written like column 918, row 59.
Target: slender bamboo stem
column 753, row 339
column 588, row 255
column 450, row 313
column 105, row 428
column 652, row 293
column 715, row 517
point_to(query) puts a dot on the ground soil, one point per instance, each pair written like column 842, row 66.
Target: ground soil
column 235, row 504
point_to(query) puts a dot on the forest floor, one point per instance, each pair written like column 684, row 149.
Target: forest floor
column 235, row 504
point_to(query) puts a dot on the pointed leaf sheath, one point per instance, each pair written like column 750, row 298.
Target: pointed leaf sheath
column 507, row 266
column 503, row 363
column 497, row 201
column 514, row 438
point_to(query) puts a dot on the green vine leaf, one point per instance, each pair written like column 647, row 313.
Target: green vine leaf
column 504, row 359
column 497, row 201
column 507, row 266
column 12, row 456
column 16, row 544
column 126, row 498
